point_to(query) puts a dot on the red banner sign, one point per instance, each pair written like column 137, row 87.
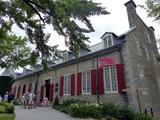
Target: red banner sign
column 106, row 62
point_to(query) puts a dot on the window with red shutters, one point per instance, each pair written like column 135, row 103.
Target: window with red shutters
column 61, row 85
column 121, row 78
column 93, row 81
column 79, row 84
column 86, row 82
column 72, row 84
column 110, row 79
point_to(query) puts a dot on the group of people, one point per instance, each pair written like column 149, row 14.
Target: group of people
column 29, row 100
column 7, row 97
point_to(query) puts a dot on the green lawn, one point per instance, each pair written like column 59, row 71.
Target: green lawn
column 7, row 116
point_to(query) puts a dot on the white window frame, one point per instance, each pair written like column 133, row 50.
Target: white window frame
column 65, row 56
column 69, row 89
column 86, row 92
column 111, row 91
column 106, row 45
column 141, row 81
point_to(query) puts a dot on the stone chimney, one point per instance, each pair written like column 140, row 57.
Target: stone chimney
column 152, row 29
column 132, row 14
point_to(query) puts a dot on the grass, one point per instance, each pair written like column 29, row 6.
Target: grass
column 7, row 116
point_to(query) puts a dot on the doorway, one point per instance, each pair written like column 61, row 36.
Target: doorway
column 47, row 85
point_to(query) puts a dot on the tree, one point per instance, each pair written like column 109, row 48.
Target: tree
column 153, row 9
column 32, row 16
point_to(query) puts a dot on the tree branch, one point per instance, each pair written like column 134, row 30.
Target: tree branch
column 27, row 2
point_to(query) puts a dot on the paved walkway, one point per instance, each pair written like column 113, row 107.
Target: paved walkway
column 41, row 114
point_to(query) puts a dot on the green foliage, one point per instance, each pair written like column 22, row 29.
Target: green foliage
column 2, row 109
column 85, row 110
column 142, row 116
column 9, row 107
column 7, row 116
column 120, row 113
column 56, row 102
column 5, row 84
column 69, row 102
column 16, row 102
column 32, row 17
column 153, row 9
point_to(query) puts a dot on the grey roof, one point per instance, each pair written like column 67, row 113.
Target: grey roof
column 8, row 72
column 127, row 32
column 93, row 51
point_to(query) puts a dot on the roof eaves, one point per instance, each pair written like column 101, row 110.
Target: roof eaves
column 82, row 58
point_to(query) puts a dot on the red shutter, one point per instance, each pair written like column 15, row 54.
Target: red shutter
column 51, row 92
column 100, row 80
column 19, row 90
column 29, row 87
column 120, row 77
column 72, row 84
column 42, row 92
column 93, row 81
column 61, row 85
column 79, row 84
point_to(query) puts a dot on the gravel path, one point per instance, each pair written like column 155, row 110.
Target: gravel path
column 41, row 114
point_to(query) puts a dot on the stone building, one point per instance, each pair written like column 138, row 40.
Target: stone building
column 120, row 69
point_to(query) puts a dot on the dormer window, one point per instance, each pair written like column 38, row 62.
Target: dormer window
column 65, row 57
column 108, row 41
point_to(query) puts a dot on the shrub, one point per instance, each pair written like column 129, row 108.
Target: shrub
column 84, row 110
column 110, row 109
column 126, row 114
column 142, row 116
column 56, row 102
column 16, row 102
column 9, row 107
column 120, row 113
column 69, row 102
column 2, row 109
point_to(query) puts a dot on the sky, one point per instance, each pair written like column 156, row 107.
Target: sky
column 116, row 21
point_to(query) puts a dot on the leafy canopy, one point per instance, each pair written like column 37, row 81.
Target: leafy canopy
column 32, row 16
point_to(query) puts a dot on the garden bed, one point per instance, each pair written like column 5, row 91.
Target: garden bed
column 107, row 111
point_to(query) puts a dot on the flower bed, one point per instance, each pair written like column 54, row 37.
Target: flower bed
column 107, row 111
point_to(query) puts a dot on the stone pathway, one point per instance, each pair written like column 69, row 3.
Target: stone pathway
column 41, row 114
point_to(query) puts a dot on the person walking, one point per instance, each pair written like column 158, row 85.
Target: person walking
column 26, row 95
column 31, row 96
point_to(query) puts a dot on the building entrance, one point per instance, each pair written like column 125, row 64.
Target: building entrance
column 47, row 86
